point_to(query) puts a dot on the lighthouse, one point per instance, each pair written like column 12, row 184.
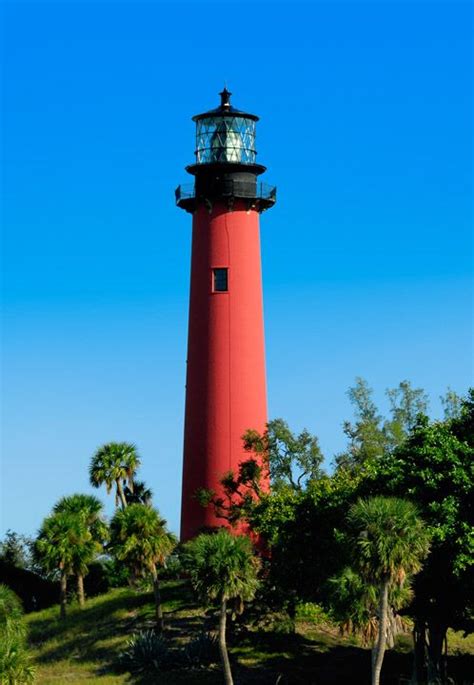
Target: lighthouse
column 225, row 379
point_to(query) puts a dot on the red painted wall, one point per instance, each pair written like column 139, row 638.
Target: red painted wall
column 225, row 386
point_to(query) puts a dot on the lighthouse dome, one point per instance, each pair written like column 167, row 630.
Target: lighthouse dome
column 225, row 134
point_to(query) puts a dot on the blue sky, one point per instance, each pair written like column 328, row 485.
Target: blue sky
column 366, row 128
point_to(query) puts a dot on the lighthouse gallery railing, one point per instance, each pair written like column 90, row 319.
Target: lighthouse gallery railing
column 231, row 188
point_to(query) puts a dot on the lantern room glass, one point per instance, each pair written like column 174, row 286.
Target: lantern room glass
column 225, row 139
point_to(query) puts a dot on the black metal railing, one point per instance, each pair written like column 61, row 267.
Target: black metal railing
column 186, row 191
column 230, row 188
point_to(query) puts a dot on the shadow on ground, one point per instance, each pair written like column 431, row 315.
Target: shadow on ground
column 97, row 635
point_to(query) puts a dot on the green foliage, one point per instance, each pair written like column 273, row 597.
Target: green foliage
column 388, row 542
column 239, row 492
column 87, row 510
column 146, row 652
column 140, row 539
column 314, row 613
column 355, row 606
column 202, row 651
column 222, row 567
column 452, row 404
column 116, row 573
column 140, row 494
column 15, row 549
column 434, row 468
column 406, row 404
column 300, row 529
column 60, row 536
column 372, row 436
column 366, row 437
column 388, row 539
column 11, row 614
column 113, row 463
column 15, row 666
column 85, row 648
column 174, row 567
column 293, row 460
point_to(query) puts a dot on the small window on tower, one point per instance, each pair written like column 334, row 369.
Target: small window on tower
column 221, row 281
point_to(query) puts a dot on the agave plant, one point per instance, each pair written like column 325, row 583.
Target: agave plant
column 146, row 652
column 203, row 650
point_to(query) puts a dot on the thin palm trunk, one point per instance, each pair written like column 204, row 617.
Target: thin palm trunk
column 222, row 644
column 80, row 590
column 62, row 594
column 120, row 493
column 379, row 650
column 419, row 652
column 160, row 623
column 436, row 640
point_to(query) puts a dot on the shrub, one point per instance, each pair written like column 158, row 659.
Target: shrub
column 146, row 652
column 203, row 650
column 313, row 613
column 116, row 573
column 15, row 667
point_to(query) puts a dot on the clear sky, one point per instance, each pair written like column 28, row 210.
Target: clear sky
column 366, row 128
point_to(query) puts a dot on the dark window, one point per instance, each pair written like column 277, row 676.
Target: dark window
column 221, row 284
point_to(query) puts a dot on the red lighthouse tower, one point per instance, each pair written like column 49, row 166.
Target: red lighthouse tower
column 225, row 383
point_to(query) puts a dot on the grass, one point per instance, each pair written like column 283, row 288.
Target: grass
column 85, row 647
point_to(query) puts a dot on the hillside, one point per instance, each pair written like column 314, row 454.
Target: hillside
column 85, row 647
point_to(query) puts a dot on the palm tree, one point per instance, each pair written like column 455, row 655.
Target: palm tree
column 90, row 509
column 56, row 548
column 389, row 542
column 140, row 494
column 222, row 568
column 139, row 538
column 113, row 463
column 355, row 604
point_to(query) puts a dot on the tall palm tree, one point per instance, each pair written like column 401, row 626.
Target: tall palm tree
column 222, row 568
column 56, row 548
column 139, row 537
column 90, row 509
column 390, row 542
column 112, row 464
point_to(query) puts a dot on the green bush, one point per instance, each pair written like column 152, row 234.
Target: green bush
column 15, row 667
column 116, row 573
column 202, row 651
column 313, row 613
column 146, row 652
column 173, row 569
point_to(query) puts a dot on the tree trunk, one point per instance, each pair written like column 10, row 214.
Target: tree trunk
column 436, row 639
column 80, row 590
column 222, row 644
column 292, row 612
column 62, row 594
column 379, row 650
column 118, row 484
column 419, row 653
column 160, row 623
